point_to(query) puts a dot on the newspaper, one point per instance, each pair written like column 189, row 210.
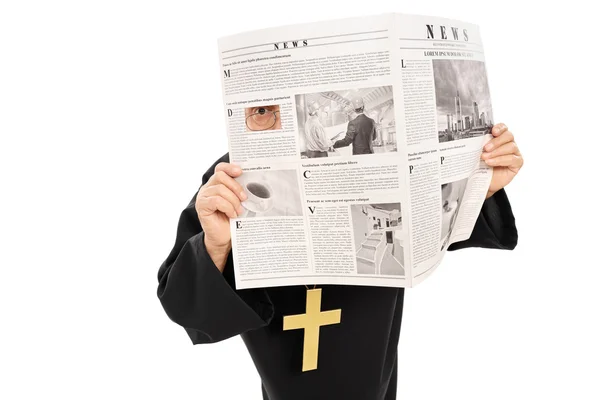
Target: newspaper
column 360, row 141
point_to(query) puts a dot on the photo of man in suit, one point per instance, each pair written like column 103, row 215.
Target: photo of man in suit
column 361, row 131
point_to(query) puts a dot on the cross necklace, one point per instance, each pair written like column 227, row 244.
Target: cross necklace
column 311, row 322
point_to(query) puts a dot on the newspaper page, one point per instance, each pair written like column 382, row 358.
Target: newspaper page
column 447, row 119
column 360, row 148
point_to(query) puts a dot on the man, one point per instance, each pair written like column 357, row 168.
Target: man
column 361, row 131
column 357, row 358
column 317, row 142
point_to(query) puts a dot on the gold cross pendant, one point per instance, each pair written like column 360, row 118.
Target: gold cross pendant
column 311, row 322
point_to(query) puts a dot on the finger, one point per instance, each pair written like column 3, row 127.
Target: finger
column 505, row 137
column 223, row 178
column 510, row 160
column 226, row 193
column 230, row 169
column 499, row 129
column 216, row 203
column 507, row 148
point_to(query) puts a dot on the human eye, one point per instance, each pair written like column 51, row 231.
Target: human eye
column 261, row 117
column 262, row 110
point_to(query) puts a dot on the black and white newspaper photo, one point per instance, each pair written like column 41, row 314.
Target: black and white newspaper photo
column 271, row 194
column 452, row 195
column 346, row 122
column 462, row 99
column 378, row 238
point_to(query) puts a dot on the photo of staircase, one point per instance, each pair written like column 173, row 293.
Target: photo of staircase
column 375, row 256
column 366, row 256
column 378, row 237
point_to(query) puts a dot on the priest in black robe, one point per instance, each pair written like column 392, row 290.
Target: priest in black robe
column 357, row 358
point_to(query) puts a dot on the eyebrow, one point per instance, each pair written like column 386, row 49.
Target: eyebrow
column 269, row 106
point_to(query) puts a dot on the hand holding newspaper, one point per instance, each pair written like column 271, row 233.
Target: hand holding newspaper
column 360, row 148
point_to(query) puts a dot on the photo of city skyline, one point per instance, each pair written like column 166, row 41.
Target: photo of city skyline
column 464, row 107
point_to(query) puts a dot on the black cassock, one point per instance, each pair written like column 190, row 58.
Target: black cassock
column 357, row 358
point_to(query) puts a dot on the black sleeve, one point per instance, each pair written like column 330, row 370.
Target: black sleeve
column 197, row 296
column 495, row 227
column 348, row 139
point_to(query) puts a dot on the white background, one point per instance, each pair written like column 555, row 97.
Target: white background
column 110, row 112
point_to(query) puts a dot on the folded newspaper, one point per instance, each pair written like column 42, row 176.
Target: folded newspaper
column 360, row 141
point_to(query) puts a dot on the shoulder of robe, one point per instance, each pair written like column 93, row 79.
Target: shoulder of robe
column 211, row 170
